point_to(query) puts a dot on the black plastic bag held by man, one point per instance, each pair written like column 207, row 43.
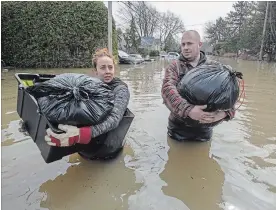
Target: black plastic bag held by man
column 181, row 109
column 211, row 84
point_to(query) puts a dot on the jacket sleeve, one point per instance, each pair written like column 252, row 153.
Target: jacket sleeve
column 171, row 97
column 121, row 101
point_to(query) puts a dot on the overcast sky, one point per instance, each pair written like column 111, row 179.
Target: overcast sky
column 193, row 14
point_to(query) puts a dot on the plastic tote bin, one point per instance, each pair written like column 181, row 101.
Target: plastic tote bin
column 36, row 124
column 109, row 144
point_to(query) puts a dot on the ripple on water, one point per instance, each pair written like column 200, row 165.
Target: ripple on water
column 12, row 135
column 245, row 150
column 167, row 176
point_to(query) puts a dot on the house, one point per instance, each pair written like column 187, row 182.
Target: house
column 150, row 43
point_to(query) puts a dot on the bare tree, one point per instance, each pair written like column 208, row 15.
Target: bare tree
column 144, row 20
column 169, row 24
column 144, row 15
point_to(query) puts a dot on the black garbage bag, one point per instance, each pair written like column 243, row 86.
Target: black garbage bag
column 73, row 99
column 214, row 85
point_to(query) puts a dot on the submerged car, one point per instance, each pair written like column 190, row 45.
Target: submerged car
column 172, row 56
column 124, row 58
column 137, row 58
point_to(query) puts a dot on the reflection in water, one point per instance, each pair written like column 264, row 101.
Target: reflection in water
column 198, row 179
column 90, row 185
column 243, row 146
column 71, row 183
column 12, row 134
column 23, row 171
column 235, row 171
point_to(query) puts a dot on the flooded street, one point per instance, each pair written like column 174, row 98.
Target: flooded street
column 235, row 171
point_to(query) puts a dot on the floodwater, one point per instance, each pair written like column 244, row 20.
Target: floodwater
column 234, row 171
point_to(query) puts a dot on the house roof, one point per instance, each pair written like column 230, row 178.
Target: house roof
column 149, row 41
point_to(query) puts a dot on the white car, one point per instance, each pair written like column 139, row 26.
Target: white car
column 124, row 58
column 137, row 58
column 172, row 56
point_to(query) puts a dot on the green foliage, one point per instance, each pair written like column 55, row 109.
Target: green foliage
column 143, row 52
column 53, row 34
column 131, row 38
column 115, row 42
column 243, row 27
column 170, row 44
column 154, row 53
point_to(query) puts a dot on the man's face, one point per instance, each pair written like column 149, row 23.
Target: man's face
column 190, row 46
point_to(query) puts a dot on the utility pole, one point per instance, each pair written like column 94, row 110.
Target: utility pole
column 110, row 27
column 264, row 29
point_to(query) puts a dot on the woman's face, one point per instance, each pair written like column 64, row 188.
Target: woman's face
column 105, row 69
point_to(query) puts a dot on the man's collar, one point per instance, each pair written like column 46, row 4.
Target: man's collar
column 200, row 59
column 195, row 62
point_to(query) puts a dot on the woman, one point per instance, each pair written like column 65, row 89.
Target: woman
column 103, row 64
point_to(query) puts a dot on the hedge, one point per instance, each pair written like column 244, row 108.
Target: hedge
column 53, row 34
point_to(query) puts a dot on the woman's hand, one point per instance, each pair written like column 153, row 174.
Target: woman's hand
column 71, row 136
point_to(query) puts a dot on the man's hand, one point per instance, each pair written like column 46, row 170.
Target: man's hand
column 214, row 117
column 71, row 136
column 219, row 116
column 198, row 114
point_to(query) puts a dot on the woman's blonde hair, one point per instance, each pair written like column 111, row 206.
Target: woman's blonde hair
column 101, row 53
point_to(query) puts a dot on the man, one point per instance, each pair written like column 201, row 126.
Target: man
column 190, row 57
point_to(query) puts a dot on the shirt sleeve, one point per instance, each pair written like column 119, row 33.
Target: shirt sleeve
column 121, row 101
column 171, row 97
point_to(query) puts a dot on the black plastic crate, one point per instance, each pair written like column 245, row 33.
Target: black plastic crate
column 36, row 125
column 109, row 144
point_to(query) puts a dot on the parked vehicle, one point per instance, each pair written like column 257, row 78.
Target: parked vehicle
column 137, row 58
column 172, row 56
column 148, row 59
column 124, row 58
